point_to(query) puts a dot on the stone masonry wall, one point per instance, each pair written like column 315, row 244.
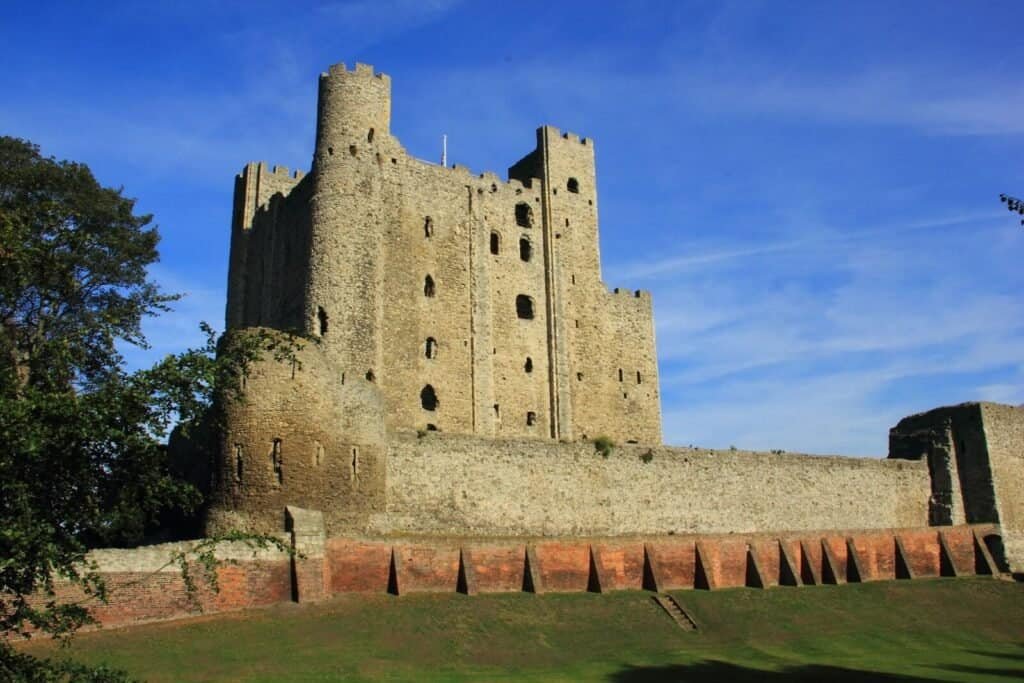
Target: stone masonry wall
column 1004, row 435
column 975, row 452
column 449, row 485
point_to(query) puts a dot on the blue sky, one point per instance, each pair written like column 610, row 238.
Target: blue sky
column 808, row 189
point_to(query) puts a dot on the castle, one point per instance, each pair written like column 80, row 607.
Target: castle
column 441, row 431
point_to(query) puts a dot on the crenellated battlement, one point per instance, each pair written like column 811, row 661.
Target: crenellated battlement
column 631, row 293
column 556, row 133
column 360, row 70
column 489, row 179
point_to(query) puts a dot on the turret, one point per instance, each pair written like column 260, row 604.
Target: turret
column 353, row 202
column 354, row 107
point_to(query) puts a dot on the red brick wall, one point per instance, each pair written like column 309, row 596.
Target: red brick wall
column 354, row 566
column 675, row 558
column 498, row 568
column 623, row 564
column 138, row 597
column 922, row 548
column 562, row 565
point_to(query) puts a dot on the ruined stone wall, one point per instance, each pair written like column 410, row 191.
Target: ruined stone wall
column 465, row 486
column 985, row 475
column 269, row 247
column 1004, row 435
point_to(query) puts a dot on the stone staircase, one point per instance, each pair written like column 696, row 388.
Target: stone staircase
column 676, row 611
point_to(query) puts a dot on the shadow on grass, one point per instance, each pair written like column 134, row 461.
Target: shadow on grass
column 725, row 671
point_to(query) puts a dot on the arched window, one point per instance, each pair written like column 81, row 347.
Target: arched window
column 531, row 419
column 431, row 348
column 524, row 215
column 524, row 307
column 428, row 286
column 428, row 227
column 321, row 316
column 428, row 398
column 495, row 243
column 525, row 249
column 239, row 463
column 573, row 186
column 638, row 377
column 369, row 136
column 620, row 374
column 528, row 365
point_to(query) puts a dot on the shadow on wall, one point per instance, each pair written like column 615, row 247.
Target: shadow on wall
column 712, row 670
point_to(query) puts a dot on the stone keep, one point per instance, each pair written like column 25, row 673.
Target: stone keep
column 471, row 304
column 441, row 300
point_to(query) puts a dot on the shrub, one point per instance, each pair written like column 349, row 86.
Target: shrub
column 604, row 445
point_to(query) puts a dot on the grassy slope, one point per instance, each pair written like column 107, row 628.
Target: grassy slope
column 930, row 630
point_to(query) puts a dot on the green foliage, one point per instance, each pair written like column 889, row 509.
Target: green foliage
column 15, row 666
column 604, row 445
column 84, row 462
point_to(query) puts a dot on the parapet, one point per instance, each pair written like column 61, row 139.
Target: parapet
column 361, row 70
column 555, row 133
column 631, row 293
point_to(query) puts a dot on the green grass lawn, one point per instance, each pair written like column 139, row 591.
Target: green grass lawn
column 951, row 629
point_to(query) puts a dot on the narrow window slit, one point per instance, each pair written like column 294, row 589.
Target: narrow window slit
column 321, row 316
column 525, row 249
column 276, row 461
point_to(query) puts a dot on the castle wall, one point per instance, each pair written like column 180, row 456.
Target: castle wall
column 453, row 485
column 984, row 477
column 1004, row 436
column 146, row 583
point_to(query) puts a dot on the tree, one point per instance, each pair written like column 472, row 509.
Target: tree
column 1013, row 204
column 83, row 461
